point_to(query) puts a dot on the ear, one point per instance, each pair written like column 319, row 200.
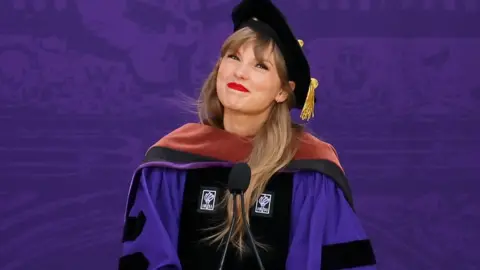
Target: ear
column 283, row 95
column 292, row 85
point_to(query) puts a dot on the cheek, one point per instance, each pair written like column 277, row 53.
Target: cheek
column 224, row 70
column 220, row 76
column 221, row 80
column 267, row 85
column 220, row 73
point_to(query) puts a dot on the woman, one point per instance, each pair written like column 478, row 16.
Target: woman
column 299, row 205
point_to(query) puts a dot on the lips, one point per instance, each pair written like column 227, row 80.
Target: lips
column 238, row 87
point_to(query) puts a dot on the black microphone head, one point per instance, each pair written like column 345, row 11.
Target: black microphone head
column 239, row 178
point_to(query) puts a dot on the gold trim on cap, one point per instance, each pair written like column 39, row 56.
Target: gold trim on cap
column 300, row 42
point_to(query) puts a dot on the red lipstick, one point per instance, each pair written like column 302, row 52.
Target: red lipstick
column 237, row 86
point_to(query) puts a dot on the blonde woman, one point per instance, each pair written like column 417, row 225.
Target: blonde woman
column 299, row 204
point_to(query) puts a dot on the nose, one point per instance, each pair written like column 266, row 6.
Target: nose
column 241, row 72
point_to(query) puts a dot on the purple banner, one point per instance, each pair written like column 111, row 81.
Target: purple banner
column 87, row 86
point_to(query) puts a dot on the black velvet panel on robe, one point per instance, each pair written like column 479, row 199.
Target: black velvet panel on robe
column 272, row 230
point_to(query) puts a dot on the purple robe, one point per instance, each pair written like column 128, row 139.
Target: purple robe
column 324, row 231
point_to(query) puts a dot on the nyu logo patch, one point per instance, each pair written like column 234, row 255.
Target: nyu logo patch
column 264, row 205
column 208, row 198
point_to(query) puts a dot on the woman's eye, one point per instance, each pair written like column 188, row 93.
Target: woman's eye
column 262, row 66
column 233, row 56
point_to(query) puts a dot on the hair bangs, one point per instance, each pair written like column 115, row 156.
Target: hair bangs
column 263, row 45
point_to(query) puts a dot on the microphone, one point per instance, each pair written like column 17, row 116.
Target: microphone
column 240, row 178
column 238, row 181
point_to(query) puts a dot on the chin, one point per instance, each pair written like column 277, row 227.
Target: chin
column 234, row 107
column 230, row 101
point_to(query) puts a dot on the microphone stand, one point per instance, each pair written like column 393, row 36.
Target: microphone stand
column 230, row 230
column 250, row 236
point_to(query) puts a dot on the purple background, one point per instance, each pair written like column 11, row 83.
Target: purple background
column 87, row 87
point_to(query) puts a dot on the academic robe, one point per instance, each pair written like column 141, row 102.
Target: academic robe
column 305, row 215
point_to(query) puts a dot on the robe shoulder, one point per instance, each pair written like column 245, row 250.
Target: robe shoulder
column 194, row 144
column 216, row 144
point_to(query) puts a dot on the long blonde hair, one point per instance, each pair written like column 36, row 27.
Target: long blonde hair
column 277, row 137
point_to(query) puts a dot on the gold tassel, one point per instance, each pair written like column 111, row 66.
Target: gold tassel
column 308, row 106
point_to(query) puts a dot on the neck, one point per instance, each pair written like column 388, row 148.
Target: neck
column 242, row 124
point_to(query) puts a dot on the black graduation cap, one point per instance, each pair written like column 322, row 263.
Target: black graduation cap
column 264, row 17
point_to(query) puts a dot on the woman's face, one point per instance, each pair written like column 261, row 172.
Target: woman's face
column 248, row 85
